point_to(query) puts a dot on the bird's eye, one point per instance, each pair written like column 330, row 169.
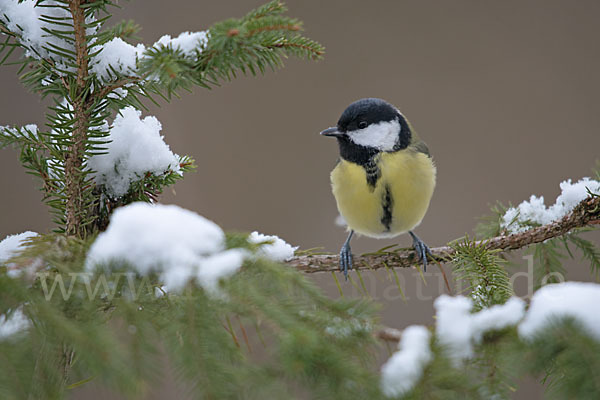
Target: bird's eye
column 362, row 124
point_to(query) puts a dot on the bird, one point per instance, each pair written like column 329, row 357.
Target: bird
column 384, row 178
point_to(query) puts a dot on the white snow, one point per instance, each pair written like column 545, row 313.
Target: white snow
column 453, row 326
column 123, row 57
column 458, row 329
column 55, row 169
column 517, row 219
column 278, row 250
column 578, row 300
column 177, row 244
column 497, row 317
column 119, row 55
column 187, row 42
column 405, row 367
column 10, row 247
column 17, row 322
column 22, row 18
column 29, row 130
column 219, row 266
column 136, row 148
column 26, row 16
column 118, row 93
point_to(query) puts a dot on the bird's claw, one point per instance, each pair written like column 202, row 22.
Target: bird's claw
column 345, row 259
column 346, row 256
column 421, row 250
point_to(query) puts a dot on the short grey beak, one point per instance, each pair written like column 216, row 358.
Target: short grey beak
column 332, row 132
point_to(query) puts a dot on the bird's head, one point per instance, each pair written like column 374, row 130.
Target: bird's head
column 373, row 124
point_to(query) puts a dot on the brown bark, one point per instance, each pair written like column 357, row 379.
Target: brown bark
column 116, row 85
column 74, row 159
column 389, row 334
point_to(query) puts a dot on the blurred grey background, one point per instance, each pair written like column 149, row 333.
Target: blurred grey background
column 504, row 93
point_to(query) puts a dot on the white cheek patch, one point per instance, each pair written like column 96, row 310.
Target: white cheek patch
column 382, row 136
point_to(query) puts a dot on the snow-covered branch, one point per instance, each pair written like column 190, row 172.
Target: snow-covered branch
column 460, row 334
column 587, row 212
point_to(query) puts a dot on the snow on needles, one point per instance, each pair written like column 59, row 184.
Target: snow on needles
column 578, row 300
column 136, row 147
column 10, row 247
column 519, row 219
column 28, row 131
column 187, row 42
column 405, row 367
column 118, row 55
column 177, row 244
column 24, row 19
column 457, row 329
column 15, row 323
column 122, row 57
column 278, row 250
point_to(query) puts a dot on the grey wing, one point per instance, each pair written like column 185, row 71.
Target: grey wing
column 421, row 147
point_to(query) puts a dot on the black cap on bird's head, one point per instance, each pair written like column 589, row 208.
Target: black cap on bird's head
column 370, row 125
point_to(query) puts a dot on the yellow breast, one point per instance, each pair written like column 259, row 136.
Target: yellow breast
column 405, row 187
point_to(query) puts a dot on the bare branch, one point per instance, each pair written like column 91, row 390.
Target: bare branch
column 586, row 213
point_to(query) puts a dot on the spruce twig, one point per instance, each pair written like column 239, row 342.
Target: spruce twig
column 585, row 213
column 103, row 92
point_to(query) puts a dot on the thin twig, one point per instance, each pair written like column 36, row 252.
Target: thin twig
column 288, row 27
column 316, row 53
column 113, row 86
column 7, row 31
column 585, row 213
column 389, row 334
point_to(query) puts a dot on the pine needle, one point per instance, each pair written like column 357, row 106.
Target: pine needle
column 337, row 283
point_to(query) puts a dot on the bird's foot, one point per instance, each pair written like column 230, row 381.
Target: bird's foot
column 421, row 250
column 345, row 259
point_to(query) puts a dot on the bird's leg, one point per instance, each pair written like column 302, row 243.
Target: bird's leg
column 421, row 249
column 346, row 256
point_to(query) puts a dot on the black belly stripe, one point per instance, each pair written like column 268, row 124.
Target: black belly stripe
column 386, row 219
column 373, row 173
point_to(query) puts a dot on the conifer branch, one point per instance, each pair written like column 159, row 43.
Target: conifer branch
column 585, row 213
column 315, row 53
column 288, row 27
column 74, row 159
column 104, row 91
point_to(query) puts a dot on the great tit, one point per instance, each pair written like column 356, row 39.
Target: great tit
column 385, row 176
